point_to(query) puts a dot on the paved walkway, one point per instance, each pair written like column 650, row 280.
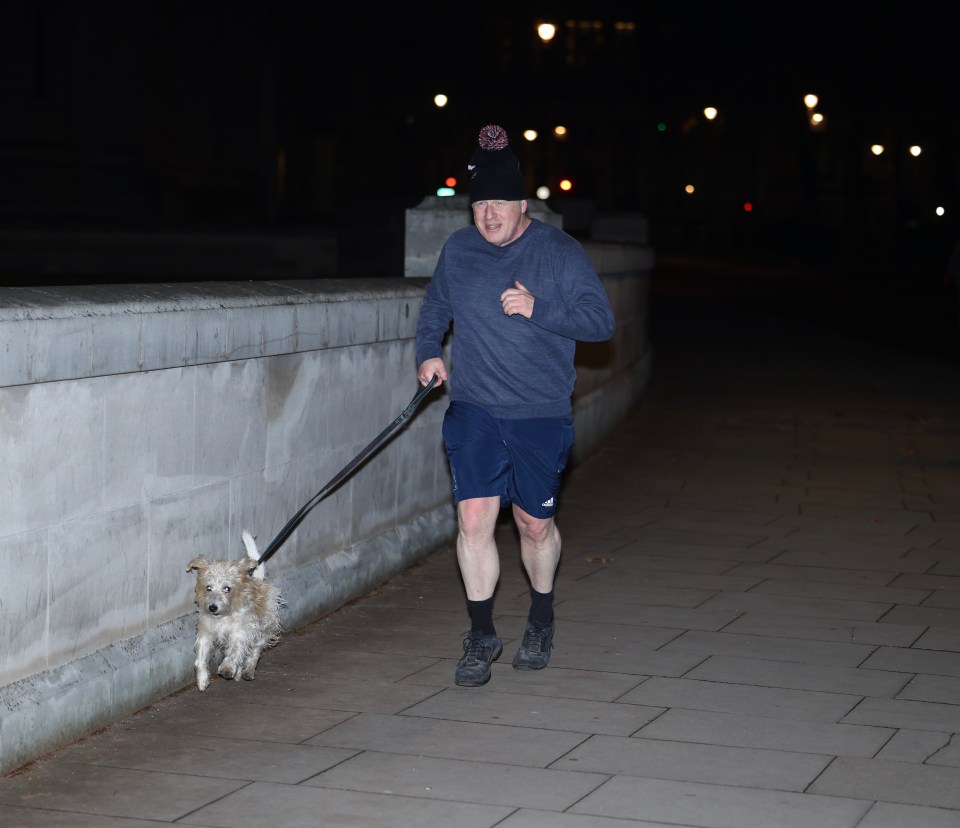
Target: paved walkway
column 758, row 626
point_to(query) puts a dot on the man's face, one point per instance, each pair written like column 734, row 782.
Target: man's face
column 499, row 222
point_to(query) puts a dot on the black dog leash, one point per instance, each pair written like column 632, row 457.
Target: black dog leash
column 292, row 523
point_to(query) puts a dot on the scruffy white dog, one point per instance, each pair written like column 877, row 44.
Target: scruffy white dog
column 239, row 614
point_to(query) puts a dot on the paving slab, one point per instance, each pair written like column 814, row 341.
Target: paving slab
column 527, row 747
column 719, row 806
column 829, row 629
column 482, row 783
column 916, row 715
column 904, row 782
column 742, row 698
column 769, row 673
column 799, row 648
column 749, row 730
column 886, row 815
column 69, row 786
column 713, row 764
column 913, row 745
column 306, row 806
column 537, row 711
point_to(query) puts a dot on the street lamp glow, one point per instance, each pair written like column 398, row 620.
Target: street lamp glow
column 709, row 112
column 810, row 101
column 876, row 149
column 440, row 100
column 566, row 185
column 560, row 131
column 915, row 150
column 530, row 134
column 816, row 118
column 689, row 189
column 546, row 31
column 543, row 192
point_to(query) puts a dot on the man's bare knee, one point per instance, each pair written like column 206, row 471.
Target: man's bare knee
column 535, row 530
column 478, row 516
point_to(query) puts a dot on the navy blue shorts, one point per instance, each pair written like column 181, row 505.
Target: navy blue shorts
column 521, row 461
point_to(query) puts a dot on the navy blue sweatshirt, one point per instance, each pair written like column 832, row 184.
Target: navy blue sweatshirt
column 514, row 367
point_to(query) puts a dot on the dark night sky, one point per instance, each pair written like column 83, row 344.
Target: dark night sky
column 359, row 58
column 866, row 59
column 185, row 105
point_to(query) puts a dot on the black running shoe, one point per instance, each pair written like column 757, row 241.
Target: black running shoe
column 534, row 652
column 479, row 652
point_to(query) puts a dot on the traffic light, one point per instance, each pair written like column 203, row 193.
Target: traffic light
column 448, row 187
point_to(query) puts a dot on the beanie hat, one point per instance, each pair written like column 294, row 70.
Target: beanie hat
column 494, row 168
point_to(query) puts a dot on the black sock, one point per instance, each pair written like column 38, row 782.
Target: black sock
column 541, row 608
column 481, row 617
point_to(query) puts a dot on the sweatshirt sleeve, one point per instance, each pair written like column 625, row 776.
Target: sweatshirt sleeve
column 582, row 311
column 435, row 314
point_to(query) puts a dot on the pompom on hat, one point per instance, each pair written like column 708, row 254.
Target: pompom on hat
column 495, row 169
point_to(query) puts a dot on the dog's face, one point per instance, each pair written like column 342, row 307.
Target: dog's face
column 222, row 585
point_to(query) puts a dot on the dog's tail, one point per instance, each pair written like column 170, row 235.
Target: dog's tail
column 252, row 553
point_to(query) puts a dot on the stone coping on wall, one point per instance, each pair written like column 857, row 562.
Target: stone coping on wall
column 49, row 334
column 58, row 333
column 105, row 300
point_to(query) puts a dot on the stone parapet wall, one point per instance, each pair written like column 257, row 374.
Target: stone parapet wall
column 142, row 425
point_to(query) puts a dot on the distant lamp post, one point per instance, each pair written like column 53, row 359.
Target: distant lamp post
column 816, row 119
column 543, row 193
column 530, row 134
column 440, row 100
column 566, row 185
column 689, row 189
column 560, row 132
column 876, row 149
column 546, row 32
column 915, row 150
column 709, row 112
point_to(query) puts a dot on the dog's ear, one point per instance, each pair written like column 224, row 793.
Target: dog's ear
column 201, row 562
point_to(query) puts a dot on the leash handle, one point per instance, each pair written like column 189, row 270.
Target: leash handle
column 292, row 523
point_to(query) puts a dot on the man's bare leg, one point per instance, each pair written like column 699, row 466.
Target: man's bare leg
column 477, row 551
column 539, row 548
column 479, row 562
column 540, row 553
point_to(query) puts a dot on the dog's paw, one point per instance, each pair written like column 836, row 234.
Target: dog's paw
column 203, row 682
column 249, row 674
column 227, row 670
